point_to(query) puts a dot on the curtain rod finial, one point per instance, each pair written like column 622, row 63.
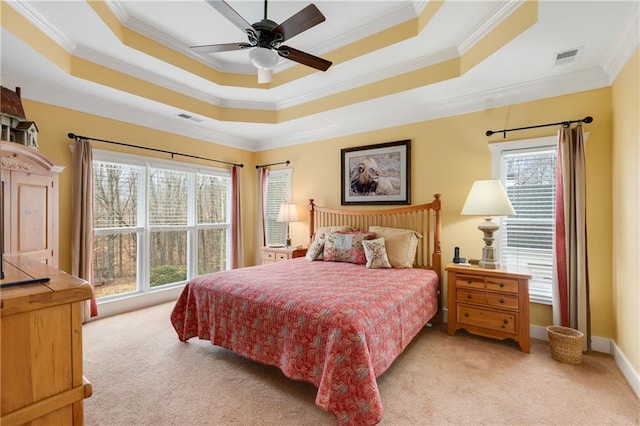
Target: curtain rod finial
column 588, row 119
column 71, row 136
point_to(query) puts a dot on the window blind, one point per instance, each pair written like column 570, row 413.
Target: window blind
column 527, row 237
column 277, row 192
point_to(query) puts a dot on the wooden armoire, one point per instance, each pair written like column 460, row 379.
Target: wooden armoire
column 29, row 203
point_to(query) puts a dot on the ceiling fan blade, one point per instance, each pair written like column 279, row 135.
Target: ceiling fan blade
column 229, row 13
column 304, row 58
column 308, row 17
column 225, row 47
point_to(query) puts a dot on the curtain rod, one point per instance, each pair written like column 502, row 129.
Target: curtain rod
column 587, row 120
column 74, row 136
column 258, row 166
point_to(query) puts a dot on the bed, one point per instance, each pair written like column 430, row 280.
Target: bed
column 336, row 324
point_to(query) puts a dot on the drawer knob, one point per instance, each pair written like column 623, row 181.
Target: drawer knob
column 501, row 285
column 501, row 300
column 469, row 296
column 505, row 322
column 469, row 281
column 466, row 314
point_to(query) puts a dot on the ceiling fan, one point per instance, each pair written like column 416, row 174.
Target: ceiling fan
column 266, row 38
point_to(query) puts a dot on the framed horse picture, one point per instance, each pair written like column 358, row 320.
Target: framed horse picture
column 376, row 174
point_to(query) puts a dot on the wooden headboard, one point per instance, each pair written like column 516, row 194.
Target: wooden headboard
column 423, row 218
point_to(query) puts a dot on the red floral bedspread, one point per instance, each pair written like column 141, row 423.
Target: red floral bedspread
column 336, row 325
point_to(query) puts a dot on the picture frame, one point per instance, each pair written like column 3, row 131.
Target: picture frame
column 376, row 174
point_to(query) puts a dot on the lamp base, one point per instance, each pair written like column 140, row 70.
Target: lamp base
column 489, row 252
column 489, row 260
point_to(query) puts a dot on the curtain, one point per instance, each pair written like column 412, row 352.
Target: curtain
column 571, row 292
column 262, row 191
column 236, row 220
column 82, row 217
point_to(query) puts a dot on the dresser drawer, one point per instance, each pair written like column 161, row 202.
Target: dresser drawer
column 507, row 285
column 502, row 321
column 281, row 256
column 502, row 300
column 470, row 296
column 269, row 256
column 469, row 281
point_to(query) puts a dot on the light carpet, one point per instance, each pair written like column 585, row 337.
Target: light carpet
column 143, row 375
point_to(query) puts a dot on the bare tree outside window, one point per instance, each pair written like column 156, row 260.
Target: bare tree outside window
column 166, row 218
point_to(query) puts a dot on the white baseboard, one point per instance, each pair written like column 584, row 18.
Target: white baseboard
column 137, row 301
column 598, row 344
column 626, row 368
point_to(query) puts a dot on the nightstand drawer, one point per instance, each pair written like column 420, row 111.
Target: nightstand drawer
column 280, row 254
column 502, row 300
column 507, row 285
column 470, row 296
column 495, row 320
column 469, row 281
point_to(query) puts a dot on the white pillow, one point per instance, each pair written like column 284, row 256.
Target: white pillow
column 316, row 248
column 376, row 254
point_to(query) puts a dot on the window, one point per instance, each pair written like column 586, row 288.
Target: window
column 528, row 171
column 278, row 191
column 156, row 223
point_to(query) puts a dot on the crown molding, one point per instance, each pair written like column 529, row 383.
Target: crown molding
column 499, row 14
column 25, row 9
column 624, row 45
column 364, row 121
column 367, row 29
column 148, row 76
column 371, row 77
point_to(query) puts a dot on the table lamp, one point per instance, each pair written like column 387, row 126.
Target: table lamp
column 288, row 213
column 488, row 198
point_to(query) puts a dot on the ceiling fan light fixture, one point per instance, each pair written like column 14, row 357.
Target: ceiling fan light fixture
column 263, row 58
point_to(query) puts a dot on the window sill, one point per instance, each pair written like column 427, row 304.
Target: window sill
column 135, row 301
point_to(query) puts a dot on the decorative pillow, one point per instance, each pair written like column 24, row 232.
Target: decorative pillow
column 346, row 247
column 401, row 245
column 376, row 254
column 316, row 248
column 323, row 231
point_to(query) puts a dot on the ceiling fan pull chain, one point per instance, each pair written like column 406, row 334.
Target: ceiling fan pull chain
column 265, row 9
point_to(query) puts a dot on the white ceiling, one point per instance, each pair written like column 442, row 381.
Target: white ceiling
column 605, row 31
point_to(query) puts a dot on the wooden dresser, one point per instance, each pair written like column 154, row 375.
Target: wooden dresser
column 278, row 254
column 41, row 353
column 489, row 302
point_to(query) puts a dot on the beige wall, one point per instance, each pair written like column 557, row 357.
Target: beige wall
column 55, row 123
column 448, row 154
column 626, row 211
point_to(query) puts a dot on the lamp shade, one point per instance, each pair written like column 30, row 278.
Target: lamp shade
column 263, row 58
column 288, row 213
column 488, row 198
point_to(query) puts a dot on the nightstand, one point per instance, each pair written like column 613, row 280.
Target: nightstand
column 489, row 302
column 278, row 254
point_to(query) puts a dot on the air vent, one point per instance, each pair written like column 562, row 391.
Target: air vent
column 566, row 56
column 190, row 117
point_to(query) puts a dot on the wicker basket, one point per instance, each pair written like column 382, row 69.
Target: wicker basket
column 566, row 344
